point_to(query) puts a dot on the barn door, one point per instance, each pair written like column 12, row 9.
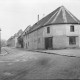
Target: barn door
column 48, row 43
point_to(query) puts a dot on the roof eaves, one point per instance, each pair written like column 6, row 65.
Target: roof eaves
column 51, row 24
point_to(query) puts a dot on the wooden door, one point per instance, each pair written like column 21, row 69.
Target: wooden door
column 48, row 43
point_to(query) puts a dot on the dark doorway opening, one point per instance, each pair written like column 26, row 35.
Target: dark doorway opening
column 48, row 43
column 72, row 40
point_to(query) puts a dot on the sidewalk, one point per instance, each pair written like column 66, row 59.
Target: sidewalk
column 63, row 52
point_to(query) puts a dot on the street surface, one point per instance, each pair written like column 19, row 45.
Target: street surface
column 23, row 65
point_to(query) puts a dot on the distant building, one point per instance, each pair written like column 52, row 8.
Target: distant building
column 59, row 29
column 13, row 41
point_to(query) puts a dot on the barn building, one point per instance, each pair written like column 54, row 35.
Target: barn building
column 59, row 29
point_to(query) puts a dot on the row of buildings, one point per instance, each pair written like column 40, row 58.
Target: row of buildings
column 59, row 29
column 13, row 40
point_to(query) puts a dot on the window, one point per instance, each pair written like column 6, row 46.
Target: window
column 48, row 29
column 28, row 43
column 72, row 40
column 72, row 28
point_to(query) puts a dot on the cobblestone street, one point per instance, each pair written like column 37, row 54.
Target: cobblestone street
column 21, row 65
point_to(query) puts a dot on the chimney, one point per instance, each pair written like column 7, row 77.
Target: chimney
column 38, row 17
column 43, row 15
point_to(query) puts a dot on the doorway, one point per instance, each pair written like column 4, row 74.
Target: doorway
column 72, row 40
column 48, row 43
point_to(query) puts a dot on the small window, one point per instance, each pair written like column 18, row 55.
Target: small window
column 28, row 43
column 72, row 40
column 72, row 28
column 48, row 29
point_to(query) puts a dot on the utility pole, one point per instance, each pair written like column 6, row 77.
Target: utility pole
column 0, row 41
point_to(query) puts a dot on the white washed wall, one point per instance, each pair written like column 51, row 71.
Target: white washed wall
column 59, row 32
column 33, row 39
column 76, row 30
column 55, row 30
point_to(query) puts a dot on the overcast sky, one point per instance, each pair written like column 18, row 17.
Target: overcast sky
column 18, row 14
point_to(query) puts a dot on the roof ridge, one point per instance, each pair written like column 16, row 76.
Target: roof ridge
column 51, row 17
column 72, row 15
column 56, row 15
column 64, row 14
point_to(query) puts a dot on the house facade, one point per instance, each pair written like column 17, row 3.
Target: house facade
column 62, row 36
column 23, row 37
column 59, row 29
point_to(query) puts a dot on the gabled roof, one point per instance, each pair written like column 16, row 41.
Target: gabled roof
column 59, row 16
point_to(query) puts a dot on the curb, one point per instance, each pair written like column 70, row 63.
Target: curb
column 57, row 54
column 50, row 53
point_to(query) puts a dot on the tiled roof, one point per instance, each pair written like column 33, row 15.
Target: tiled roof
column 25, row 31
column 59, row 16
